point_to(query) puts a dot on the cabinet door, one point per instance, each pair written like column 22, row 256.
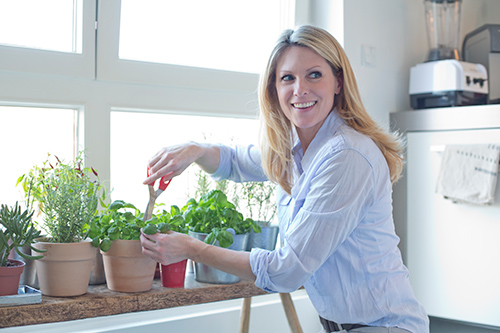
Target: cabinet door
column 453, row 249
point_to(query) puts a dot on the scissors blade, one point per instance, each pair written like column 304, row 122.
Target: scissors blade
column 153, row 195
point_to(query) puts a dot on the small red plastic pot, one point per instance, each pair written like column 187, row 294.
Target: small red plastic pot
column 173, row 275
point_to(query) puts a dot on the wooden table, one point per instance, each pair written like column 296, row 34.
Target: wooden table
column 100, row 301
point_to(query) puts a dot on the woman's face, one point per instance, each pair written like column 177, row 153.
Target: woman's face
column 306, row 89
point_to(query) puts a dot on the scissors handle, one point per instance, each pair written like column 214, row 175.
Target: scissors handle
column 163, row 182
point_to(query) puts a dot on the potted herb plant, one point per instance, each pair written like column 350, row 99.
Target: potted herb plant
column 173, row 275
column 16, row 231
column 215, row 216
column 216, row 221
column 67, row 197
column 261, row 205
column 116, row 231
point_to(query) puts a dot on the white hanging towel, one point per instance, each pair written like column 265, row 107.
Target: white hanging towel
column 468, row 173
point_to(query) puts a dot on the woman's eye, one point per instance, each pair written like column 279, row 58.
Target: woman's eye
column 315, row 75
column 287, row 77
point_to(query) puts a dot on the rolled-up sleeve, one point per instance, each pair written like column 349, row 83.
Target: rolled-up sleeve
column 278, row 271
column 239, row 164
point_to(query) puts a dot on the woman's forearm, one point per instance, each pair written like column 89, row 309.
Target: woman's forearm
column 229, row 261
column 209, row 157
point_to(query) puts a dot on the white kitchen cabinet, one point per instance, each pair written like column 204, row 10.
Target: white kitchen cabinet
column 452, row 250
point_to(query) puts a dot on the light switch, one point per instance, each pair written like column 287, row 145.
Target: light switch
column 368, row 55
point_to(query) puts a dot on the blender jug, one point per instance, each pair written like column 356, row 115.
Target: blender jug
column 443, row 28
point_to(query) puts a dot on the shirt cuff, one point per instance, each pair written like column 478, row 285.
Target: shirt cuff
column 259, row 261
column 223, row 169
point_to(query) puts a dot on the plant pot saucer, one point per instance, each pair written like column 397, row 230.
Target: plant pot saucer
column 25, row 295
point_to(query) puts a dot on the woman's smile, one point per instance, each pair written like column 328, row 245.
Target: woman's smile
column 304, row 105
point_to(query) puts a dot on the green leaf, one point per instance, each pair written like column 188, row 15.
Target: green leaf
column 163, row 227
column 225, row 238
column 255, row 226
column 174, row 210
column 210, row 239
column 129, row 205
column 117, row 204
column 27, row 256
column 152, row 220
column 20, row 180
column 114, row 236
column 150, row 229
column 105, row 245
column 104, row 220
column 95, row 242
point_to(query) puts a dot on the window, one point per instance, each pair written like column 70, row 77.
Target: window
column 136, row 137
column 219, row 34
column 54, row 37
column 51, row 25
column 28, row 134
column 68, row 92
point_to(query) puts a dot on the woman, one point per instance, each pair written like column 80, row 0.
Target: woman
column 335, row 168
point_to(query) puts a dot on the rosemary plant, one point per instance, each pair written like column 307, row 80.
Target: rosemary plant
column 67, row 195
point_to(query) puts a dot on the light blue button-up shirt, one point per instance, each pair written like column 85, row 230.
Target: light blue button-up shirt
column 337, row 231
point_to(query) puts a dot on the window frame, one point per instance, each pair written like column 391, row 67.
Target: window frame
column 110, row 67
column 20, row 59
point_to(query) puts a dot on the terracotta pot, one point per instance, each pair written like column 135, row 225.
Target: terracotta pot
column 173, row 275
column 65, row 268
column 126, row 268
column 9, row 277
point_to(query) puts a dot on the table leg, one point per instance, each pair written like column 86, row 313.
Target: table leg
column 245, row 315
column 291, row 314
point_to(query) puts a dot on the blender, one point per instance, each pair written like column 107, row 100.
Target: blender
column 442, row 18
column 443, row 79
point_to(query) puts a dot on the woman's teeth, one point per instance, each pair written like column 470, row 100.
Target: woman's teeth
column 303, row 105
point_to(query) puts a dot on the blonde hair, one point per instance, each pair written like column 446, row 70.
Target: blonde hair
column 277, row 132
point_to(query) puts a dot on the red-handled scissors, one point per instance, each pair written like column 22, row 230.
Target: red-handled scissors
column 164, row 182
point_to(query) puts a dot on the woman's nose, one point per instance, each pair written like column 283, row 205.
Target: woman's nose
column 301, row 88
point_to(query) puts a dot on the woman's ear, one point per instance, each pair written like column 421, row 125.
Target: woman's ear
column 340, row 82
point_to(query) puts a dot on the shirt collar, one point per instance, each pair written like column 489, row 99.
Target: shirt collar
column 302, row 161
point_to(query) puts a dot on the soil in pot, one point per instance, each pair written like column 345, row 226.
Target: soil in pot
column 9, row 277
column 126, row 268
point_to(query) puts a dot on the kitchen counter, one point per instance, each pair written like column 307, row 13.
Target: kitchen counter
column 100, row 301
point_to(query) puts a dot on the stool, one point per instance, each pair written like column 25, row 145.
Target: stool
column 286, row 301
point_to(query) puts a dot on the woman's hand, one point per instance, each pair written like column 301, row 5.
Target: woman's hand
column 172, row 161
column 173, row 247
column 168, row 248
